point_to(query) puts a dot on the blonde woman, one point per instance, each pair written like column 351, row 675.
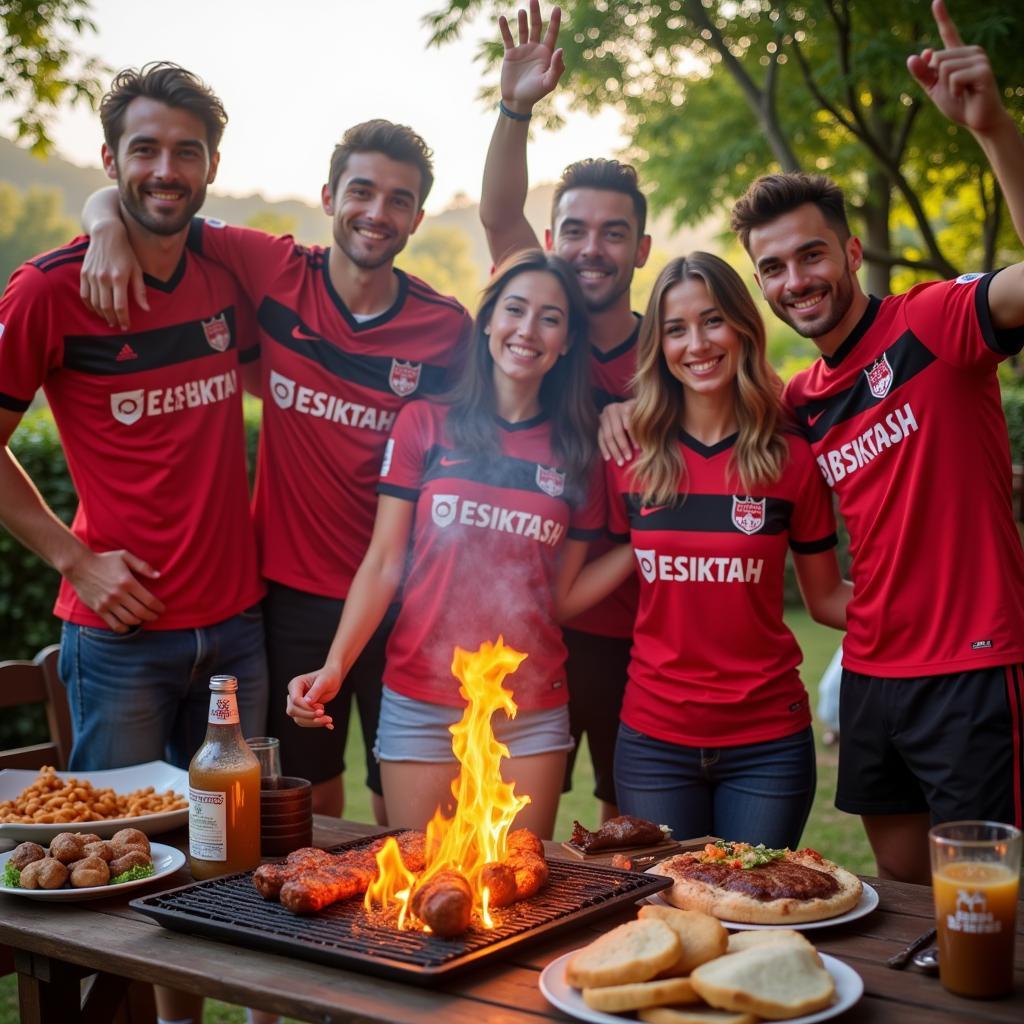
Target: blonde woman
column 715, row 733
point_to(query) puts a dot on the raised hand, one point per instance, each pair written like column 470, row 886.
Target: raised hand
column 530, row 69
column 958, row 79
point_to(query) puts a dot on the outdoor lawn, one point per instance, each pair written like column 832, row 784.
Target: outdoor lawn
column 839, row 836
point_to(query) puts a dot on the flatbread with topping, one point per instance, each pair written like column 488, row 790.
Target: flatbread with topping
column 755, row 885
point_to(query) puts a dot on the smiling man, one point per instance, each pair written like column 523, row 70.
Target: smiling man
column 598, row 218
column 903, row 414
column 346, row 339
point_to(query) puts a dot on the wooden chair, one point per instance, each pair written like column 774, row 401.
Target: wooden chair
column 24, row 683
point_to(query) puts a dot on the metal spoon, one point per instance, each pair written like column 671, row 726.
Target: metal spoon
column 927, row 959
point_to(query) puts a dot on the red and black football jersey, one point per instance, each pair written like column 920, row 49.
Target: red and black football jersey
column 332, row 386
column 151, row 424
column 907, row 426
column 485, row 549
column 713, row 663
column 611, row 373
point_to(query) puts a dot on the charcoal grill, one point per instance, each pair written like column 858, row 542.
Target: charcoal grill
column 343, row 935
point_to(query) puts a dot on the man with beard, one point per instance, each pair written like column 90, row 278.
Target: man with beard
column 597, row 223
column 903, row 413
column 160, row 587
column 346, row 339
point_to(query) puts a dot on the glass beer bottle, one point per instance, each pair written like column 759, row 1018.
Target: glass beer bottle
column 223, row 792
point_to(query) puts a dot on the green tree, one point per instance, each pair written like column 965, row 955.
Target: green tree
column 30, row 222
column 272, row 222
column 440, row 255
column 714, row 93
column 42, row 66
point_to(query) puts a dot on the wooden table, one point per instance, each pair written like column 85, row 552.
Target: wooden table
column 56, row 943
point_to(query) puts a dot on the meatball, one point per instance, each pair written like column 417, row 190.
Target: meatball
column 47, row 873
column 129, row 839
column 128, row 860
column 89, row 872
column 25, row 854
column 67, row 847
column 101, row 848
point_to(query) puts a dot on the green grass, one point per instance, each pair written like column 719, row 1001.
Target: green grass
column 838, row 836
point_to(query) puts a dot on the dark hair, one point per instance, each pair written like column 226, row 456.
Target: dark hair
column 397, row 141
column 170, row 84
column 565, row 395
column 607, row 175
column 772, row 195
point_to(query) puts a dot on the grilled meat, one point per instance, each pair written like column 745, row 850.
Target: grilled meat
column 444, row 903
column 617, row 833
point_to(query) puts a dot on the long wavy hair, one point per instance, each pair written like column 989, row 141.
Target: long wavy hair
column 760, row 453
column 565, row 393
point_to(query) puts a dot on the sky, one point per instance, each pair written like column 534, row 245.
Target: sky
column 293, row 74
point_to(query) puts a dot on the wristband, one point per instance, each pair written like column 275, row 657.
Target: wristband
column 512, row 114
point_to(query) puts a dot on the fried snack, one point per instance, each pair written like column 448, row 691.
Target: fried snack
column 701, row 936
column 67, row 847
column 694, row 1015
column 91, row 871
column 101, row 848
column 635, row 951
column 616, row 833
column 131, row 858
column 129, row 839
column 25, row 854
column 51, row 800
column 444, row 904
column 47, row 873
column 621, row 998
column 776, row 981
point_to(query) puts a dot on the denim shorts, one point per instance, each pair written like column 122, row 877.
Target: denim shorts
column 144, row 695
column 413, row 730
column 756, row 793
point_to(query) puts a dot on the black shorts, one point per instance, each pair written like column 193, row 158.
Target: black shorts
column 596, row 669
column 949, row 746
column 299, row 629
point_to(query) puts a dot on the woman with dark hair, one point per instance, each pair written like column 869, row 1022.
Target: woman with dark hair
column 715, row 733
column 479, row 498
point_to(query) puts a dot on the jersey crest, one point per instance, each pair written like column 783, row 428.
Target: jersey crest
column 218, row 334
column 127, row 406
column 550, row 481
column 282, row 389
column 645, row 559
column 404, row 378
column 747, row 514
column 880, row 377
column 443, row 509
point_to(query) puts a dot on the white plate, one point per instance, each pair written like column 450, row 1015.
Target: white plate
column 158, row 774
column 867, row 902
column 166, row 859
column 560, row 994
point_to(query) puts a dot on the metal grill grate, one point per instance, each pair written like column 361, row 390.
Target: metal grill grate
column 343, row 935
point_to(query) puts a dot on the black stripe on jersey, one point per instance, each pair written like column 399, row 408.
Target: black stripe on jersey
column 907, row 357
column 1005, row 342
column 133, row 352
column 13, row 404
column 427, row 294
column 813, row 547
column 704, row 513
column 393, row 491
column 249, row 355
column 503, row 471
column 373, row 372
column 57, row 258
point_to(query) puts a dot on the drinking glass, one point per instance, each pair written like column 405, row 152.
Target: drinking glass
column 268, row 752
column 975, row 881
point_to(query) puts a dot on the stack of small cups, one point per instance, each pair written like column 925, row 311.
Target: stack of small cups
column 286, row 802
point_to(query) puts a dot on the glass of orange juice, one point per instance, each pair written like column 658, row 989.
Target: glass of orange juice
column 975, row 881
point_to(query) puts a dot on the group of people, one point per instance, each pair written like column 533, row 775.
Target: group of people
column 427, row 480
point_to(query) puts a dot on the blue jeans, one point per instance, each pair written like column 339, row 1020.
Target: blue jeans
column 758, row 793
column 144, row 695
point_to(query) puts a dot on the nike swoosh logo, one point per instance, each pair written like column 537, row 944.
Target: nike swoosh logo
column 811, row 420
column 445, row 461
column 646, row 511
column 299, row 334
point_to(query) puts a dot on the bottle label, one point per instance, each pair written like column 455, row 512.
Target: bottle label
column 207, row 824
column 223, row 709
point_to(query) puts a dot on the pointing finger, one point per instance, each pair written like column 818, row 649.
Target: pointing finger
column 948, row 32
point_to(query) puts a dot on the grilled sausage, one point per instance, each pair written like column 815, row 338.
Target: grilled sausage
column 444, row 903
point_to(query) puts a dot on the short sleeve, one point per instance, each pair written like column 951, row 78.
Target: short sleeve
column 952, row 319
column 255, row 258
column 615, row 504
column 29, row 344
column 401, row 473
column 812, row 527
column 588, row 516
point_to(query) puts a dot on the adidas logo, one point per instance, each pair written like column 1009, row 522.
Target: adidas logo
column 127, row 352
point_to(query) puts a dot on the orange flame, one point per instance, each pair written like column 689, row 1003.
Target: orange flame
column 394, row 881
column 485, row 805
